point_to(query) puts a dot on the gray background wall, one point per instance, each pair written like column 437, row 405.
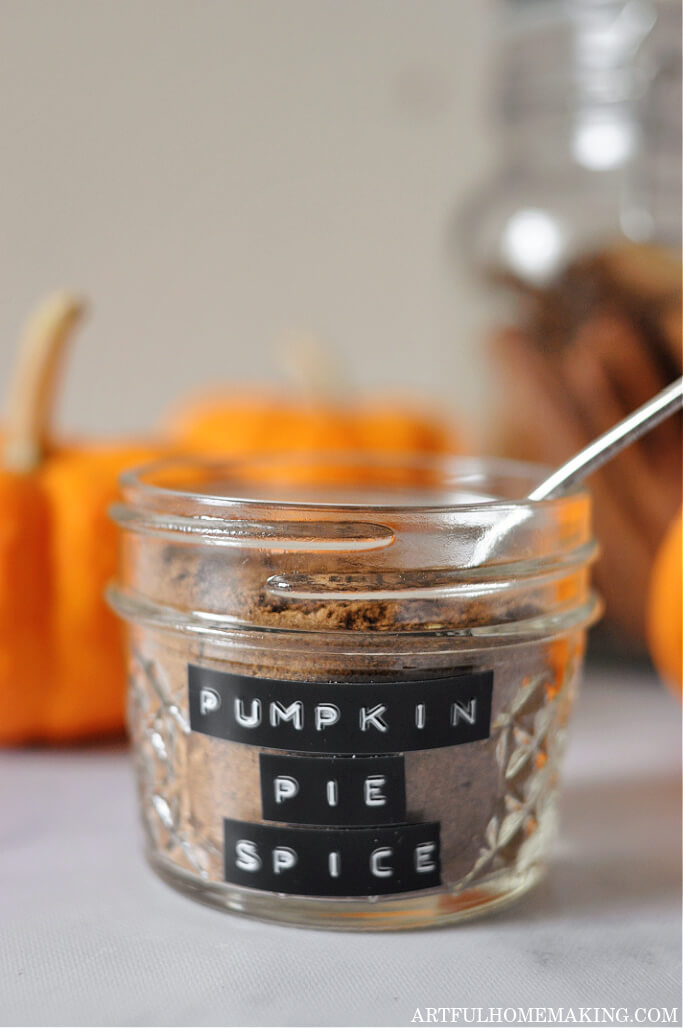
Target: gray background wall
column 221, row 176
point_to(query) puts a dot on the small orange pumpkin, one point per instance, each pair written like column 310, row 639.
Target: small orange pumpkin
column 226, row 424
column 665, row 618
column 62, row 674
column 62, row 665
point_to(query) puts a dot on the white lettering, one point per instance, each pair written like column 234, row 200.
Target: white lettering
column 284, row 859
column 334, row 864
column 374, row 797
column 252, row 720
column 372, row 716
column 378, row 869
column 294, row 713
column 466, row 713
column 326, row 714
column 332, row 793
column 420, row 715
column 247, row 856
column 209, row 700
column 285, row 788
column 423, row 857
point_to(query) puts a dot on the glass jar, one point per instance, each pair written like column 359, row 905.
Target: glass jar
column 588, row 110
column 573, row 248
column 350, row 681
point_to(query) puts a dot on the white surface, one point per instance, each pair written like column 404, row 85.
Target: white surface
column 219, row 176
column 88, row 936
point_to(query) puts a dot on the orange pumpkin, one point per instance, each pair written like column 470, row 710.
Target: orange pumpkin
column 62, row 666
column 25, row 603
column 228, row 423
column 665, row 618
column 62, row 669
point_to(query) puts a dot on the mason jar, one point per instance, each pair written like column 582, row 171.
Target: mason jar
column 351, row 681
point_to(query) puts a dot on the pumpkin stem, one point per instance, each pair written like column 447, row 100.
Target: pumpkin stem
column 314, row 369
column 34, row 384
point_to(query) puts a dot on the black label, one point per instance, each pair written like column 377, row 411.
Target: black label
column 332, row 861
column 333, row 790
column 384, row 717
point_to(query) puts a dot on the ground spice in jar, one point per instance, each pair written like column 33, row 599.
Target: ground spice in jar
column 337, row 719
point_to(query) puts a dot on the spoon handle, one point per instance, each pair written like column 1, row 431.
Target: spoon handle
column 612, row 441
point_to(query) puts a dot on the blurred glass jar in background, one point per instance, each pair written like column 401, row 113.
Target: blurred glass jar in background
column 577, row 237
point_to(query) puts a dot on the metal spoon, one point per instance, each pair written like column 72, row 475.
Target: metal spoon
column 602, row 449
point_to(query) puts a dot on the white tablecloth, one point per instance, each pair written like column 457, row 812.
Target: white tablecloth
column 88, row 935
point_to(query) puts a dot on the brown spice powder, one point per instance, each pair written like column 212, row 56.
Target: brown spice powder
column 493, row 798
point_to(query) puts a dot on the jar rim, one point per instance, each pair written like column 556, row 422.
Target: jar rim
column 149, row 482
column 407, row 561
